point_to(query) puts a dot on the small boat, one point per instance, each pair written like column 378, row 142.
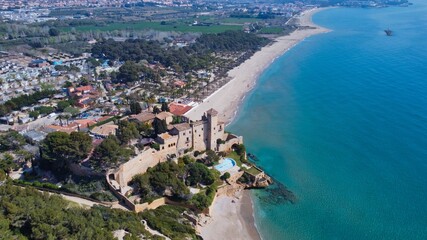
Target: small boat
column 388, row 32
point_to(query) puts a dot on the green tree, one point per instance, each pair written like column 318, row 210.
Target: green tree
column 211, row 157
column 12, row 140
column 34, row 114
column 59, row 149
column 165, row 107
column 159, row 126
column 198, row 173
column 71, row 110
column 54, row 32
column 156, row 110
column 129, row 72
column 30, row 214
column 84, row 81
column 240, row 149
column 127, row 131
column 62, row 105
column 67, row 84
column 135, row 107
column 225, row 176
column 44, row 110
column 109, row 152
column 7, row 163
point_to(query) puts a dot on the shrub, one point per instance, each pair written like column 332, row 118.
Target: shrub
column 155, row 146
column 196, row 153
column 225, row 176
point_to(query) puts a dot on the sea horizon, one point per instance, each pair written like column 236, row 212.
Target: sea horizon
column 334, row 118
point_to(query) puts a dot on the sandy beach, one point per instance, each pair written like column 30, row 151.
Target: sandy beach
column 227, row 99
column 232, row 217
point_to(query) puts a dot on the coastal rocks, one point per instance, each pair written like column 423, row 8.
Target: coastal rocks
column 260, row 180
column 278, row 194
column 263, row 182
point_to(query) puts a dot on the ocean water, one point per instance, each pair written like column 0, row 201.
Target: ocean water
column 341, row 120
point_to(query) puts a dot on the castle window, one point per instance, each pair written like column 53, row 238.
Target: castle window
column 214, row 129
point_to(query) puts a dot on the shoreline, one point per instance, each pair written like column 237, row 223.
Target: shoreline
column 228, row 98
column 230, row 216
column 234, row 216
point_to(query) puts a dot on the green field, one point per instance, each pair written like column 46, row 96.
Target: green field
column 271, row 30
column 144, row 25
column 240, row 20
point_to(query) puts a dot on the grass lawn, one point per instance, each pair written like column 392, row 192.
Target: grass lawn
column 271, row 30
column 144, row 25
column 236, row 158
column 253, row 171
column 239, row 20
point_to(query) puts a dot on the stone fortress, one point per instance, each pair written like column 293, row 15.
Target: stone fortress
column 205, row 134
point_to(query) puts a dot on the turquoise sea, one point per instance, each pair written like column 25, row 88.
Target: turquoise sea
column 341, row 120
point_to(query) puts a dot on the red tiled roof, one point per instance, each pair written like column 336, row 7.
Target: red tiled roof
column 84, row 88
column 179, row 109
column 179, row 83
column 103, row 118
column 85, row 122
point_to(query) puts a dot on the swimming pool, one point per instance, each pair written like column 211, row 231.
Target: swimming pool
column 225, row 164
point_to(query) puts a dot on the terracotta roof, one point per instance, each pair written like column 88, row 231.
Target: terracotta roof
column 164, row 136
column 72, row 127
column 179, row 83
column 105, row 130
column 103, row 118
column 143, row 117
column 179, row 109
column 84, row 88
column 164, row 115
column 85, row 122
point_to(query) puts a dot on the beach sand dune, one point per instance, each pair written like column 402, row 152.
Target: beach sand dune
column 231, row 217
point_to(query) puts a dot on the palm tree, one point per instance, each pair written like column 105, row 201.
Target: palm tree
column 60, row 118
column 67, row 117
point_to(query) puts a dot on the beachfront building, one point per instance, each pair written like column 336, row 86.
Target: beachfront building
column 205, row 134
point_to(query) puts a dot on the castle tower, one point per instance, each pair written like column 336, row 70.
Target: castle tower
column 212, row 117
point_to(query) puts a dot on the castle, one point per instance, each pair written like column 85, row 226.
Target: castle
column 205, row 134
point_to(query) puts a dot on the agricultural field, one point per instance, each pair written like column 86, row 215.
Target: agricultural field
column 159, row 26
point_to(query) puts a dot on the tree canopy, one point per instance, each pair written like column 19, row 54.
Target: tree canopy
column 194, row 57
column 127, row 131
column 11, row 140
column 26, row 213
column 159, row 126
column 59, row 149
column 135, row 107
column 110, row 153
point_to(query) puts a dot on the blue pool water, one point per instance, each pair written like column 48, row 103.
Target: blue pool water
column 341, row 120
column 225, row 165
